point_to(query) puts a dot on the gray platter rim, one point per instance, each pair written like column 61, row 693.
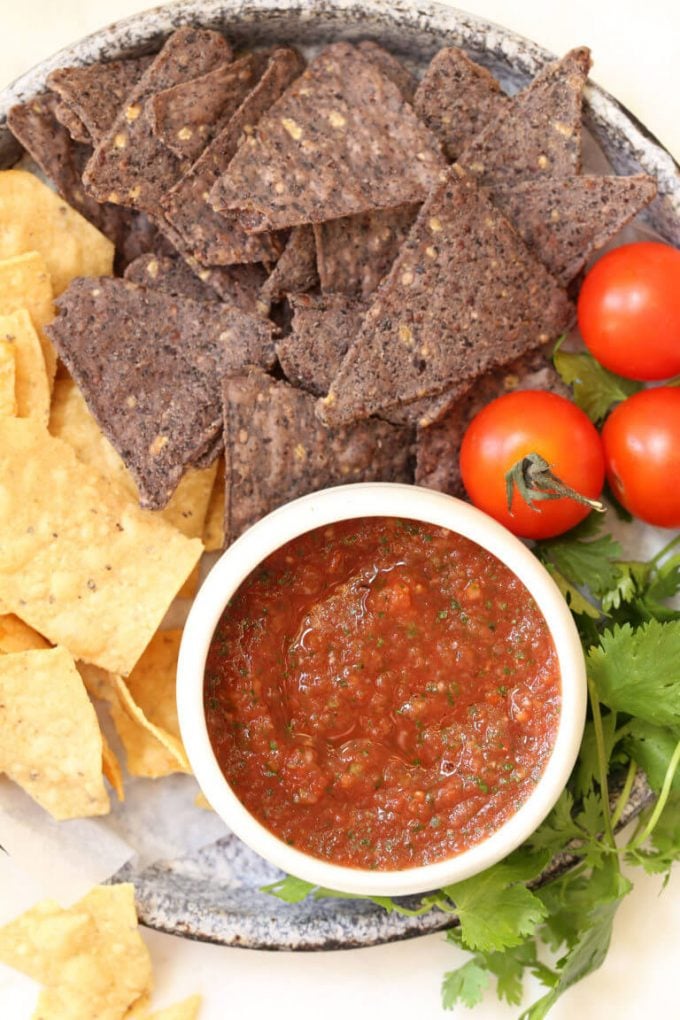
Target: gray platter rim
column 171, row 902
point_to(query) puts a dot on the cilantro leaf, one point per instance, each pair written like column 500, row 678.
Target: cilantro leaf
column 467, row 984
column 586, row 767
column 590, row 562
column 559, row 828
column 604, row 892
column 494, row 909
column 289, row 889
column 638, row 671
column 509, row 967
column 595, row 389
column 577, row 602
column 665, row 841
column 665, row 584
column 652, row 747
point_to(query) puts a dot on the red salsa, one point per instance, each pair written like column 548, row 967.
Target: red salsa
column 382, row 693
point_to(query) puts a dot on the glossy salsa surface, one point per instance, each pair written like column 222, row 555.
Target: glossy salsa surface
column 382, row 693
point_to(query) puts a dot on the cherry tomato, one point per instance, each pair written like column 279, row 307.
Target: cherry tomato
column 514, row 426
column 629, row 311
column 641, row 439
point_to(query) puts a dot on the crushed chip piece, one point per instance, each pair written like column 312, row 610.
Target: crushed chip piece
column 25, row 283
column 50, row 743
column 340, row 141
column 90, row 957
column 35, row 218
column 78, row 560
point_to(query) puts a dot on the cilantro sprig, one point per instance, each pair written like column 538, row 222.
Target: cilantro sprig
column 511, row 915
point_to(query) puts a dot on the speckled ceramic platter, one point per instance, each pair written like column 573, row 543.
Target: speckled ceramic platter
column 213, row 893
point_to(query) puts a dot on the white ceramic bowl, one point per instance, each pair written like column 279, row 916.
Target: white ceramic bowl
column 377, row 500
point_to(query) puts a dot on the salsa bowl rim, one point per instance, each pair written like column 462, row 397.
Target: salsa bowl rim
column 377, row 499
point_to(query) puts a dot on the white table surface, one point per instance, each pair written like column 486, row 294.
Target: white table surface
column 636, row 48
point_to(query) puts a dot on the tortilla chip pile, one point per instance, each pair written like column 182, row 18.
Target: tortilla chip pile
column 261, row 277
column 90, row 959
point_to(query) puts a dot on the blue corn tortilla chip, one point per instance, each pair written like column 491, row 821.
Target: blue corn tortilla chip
column 186, row 117
column 90, row 97
column 457, row 98
column 211, row 238
column 276, row 449
column 464, row 295
column 149, row 366
column 538, row 133
column 323, row 329
column 340, row 141
column 130, row 166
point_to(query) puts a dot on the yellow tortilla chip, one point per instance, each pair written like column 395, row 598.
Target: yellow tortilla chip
column 111, row 768
column 50, row 743
column 213, row 531
column 32, row 385
column 188, row 1009
column 150, row 750
column 78, row 561
column 71, row 421
column 190, row 586
column 202, row 802
column 16, row 636
column 91, row 957
column 35, row 218
column 8, row 395
column 25, row 283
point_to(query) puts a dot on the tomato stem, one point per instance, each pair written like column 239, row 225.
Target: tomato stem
column 534, row 481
